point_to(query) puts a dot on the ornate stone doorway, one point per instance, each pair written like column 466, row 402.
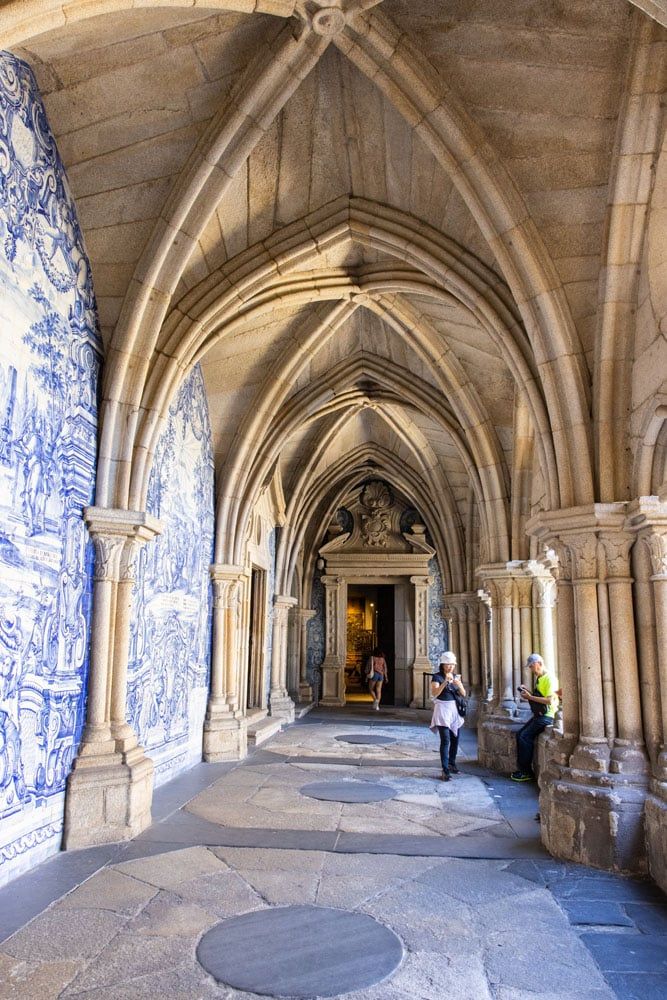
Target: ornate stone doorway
column 370, row 622
column 376, row 554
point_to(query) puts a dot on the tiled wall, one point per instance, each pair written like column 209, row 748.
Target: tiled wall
column 171, row 617
column 315, row 634
column 49, row 361
column 438, row 639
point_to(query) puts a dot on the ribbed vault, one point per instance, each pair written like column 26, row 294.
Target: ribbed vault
column 360, row 239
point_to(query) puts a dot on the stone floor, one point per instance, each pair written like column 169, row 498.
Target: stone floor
column 455, row 870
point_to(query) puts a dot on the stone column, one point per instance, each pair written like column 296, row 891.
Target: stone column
column 592, row 752
column 293, row 653
column 305, row 688
column 474, row 646
column 109, row 790
column 629, row 752
column 421, row 663
column 485, row 626
column 496, row 741
column 544, row 588
column 590, row 813
column 654, row 535
column 333, row 665
column 567, row 654
column 282, row 706
column 225, row 727
column 657, row 544
column 122, row 732
column 504, row 595
column 525, row 586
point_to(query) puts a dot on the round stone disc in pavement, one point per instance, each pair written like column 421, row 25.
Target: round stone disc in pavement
column 300, row 951
column 365, row 738
column 348, row 791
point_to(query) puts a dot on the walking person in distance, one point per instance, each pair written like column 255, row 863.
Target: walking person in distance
column 445, row 687
column 377, row 676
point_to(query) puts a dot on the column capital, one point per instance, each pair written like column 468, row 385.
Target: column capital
column 616, row 546
column 647, row 518
column 115, row 522
column 305, row 614
column 226, row 572
column 285, row 601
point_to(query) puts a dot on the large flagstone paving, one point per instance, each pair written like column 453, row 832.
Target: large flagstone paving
column 454, row 870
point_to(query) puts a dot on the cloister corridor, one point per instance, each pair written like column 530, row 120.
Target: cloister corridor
column 457, row 871
column 333, row 334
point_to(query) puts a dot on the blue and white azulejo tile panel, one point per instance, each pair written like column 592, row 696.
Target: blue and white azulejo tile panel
column 169, row 656
column 49, row 361
column 438, row 639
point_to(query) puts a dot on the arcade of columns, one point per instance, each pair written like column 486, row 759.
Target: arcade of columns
column 459, row 339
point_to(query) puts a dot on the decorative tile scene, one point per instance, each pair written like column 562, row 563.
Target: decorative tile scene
column 438, row 638
column 169, row 658
column 49, row 363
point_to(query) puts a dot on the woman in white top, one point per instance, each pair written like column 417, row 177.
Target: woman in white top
column 445, row 685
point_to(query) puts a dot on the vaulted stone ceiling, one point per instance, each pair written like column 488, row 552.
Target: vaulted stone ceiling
column 365, row 222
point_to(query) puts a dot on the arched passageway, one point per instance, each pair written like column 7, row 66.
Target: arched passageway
column 302, row 300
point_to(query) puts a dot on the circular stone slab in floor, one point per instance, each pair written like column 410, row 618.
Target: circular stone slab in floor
column 300, row 951
column 375, row 740
column 348, row 791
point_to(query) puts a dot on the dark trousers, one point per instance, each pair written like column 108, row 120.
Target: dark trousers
column 449, row 745
column 525, row 741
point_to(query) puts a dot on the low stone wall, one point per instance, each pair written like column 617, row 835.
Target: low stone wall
column 496, row 740
column 497, row 744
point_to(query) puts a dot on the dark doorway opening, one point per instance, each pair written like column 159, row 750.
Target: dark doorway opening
column 370, row 623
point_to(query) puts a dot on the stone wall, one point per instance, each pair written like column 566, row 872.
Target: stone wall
column 169, row 656
column 49, row 361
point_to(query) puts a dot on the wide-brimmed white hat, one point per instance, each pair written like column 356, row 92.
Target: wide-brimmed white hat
column 448, row 657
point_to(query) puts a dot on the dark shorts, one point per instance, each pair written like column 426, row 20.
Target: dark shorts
column 375, row 677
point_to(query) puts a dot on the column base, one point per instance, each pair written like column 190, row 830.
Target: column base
column 282, row 707
column 108, row 799
column 225, row 738
column 655, row 817
column 305, row 693
column 420, row 667
column 593, row 819
column 333, row 687
column 591, row 755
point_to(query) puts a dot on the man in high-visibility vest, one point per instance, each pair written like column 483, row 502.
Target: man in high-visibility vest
column 543, row 703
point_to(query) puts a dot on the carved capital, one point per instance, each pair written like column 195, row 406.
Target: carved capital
column 524, row 586
column 108, row 552
column 222, row 593
column 129, row 559
column 584, row 551
column 545, row 587
column 656, row 541
column 617, row 547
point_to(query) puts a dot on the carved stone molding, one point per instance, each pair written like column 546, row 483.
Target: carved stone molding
column 584, row 551
column 616, row 548
column 656, row 543
column 108, row 551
